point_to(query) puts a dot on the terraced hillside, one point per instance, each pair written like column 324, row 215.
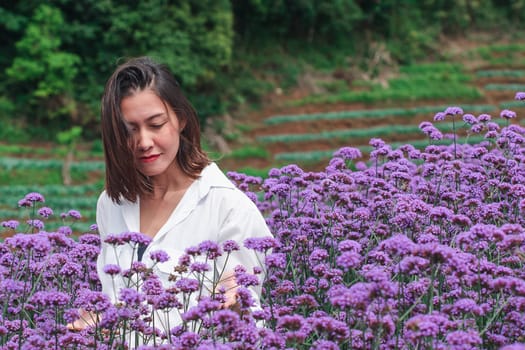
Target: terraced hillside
column 306, row 130
column 296, row 127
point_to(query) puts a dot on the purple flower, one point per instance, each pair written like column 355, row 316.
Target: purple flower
column 230, row 246
column 45, row 212
column 439, row 116
column 292, row 170
column 483, row 118
column 187, row 285
column 12, row 224
column 134, row 238
column 324, row 345
column 358, row 296
column 25, row 203
column 453, row 111
column 466, row 339
column 476, row 128
column 131, row 297
column 111, row 269
column 262, row 244
column 199, row 267
column 276, row 260
column 348, row 153
column 38, row 224
column 508, row 114
column 376, row 142
column 349, row 260
column 515, row 346
column 159, row 256
column 334, row 329
column 520, row 96
column 74, row 214
column 211, row 249
column 34, row 197
column 245, row 279
column 50, row 299
column 294, row 327
column 92, row 301
column 470, row 119
column 65, row 230
column 465, row 306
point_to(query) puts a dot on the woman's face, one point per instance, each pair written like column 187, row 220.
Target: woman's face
column 155, row 130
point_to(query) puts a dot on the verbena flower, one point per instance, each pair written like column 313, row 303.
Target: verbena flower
column 508, row 114
column 12, row 224
column 520, row 96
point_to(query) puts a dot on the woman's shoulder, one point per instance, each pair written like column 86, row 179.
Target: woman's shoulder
column 220, row 187
column 106, row 202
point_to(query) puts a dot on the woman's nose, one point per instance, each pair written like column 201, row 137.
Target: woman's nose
column 144, row 141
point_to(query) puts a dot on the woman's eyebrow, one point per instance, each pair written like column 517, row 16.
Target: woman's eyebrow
column 148, row 119
column 155, row 116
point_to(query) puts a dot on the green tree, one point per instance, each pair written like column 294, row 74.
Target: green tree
column 42, row 69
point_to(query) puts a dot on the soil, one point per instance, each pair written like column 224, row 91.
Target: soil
column 280, row 104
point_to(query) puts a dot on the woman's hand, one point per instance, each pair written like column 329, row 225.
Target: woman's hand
column 230, row 291
column 86, row 319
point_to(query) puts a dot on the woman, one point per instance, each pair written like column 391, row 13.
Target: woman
column 159, row 181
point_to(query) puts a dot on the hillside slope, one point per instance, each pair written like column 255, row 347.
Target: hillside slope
column 303, row 128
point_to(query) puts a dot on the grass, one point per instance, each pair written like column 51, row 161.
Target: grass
column 384, row 131
column 378, row 113
column 501, row 73
column 401, row 91
column 504, row 87
column 316, row 156
column 429, row 81
column 248, row 152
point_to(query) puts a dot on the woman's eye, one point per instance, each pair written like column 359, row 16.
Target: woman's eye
column 157, row 126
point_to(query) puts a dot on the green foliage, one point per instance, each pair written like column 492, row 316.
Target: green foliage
column 307, row 19
column 42, row 67
column 249, row 152
column 504, row 87
column 59, row 54
column 383, row 131
column 37, row 176
column 9, row 164
column 375, row 113
column 194, row 38
column 416, row 82
column 316, row 156
column 501, row 73
column 262, row 173
column 70, row 136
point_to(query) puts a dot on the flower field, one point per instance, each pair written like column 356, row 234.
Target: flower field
column 416, row 249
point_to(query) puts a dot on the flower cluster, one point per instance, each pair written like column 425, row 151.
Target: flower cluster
column 422, row 249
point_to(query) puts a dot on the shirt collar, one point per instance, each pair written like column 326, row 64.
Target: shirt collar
column 212, row 176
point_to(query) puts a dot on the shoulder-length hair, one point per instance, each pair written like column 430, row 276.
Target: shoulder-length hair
column 123, row 180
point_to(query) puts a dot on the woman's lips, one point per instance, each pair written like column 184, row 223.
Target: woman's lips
column 149, row 159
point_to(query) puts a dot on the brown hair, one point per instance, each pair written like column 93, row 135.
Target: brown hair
column 123, row 180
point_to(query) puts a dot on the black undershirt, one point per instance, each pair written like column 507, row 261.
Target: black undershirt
column 141, row 250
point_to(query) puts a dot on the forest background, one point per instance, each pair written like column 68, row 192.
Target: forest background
column 236, row 60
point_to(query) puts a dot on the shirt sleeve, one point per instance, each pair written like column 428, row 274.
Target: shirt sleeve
column 243, row 221
column 102, row 222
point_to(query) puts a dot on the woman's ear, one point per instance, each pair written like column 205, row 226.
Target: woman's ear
column 182, row 123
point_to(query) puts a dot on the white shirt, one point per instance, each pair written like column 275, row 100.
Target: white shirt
column 212, row 208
